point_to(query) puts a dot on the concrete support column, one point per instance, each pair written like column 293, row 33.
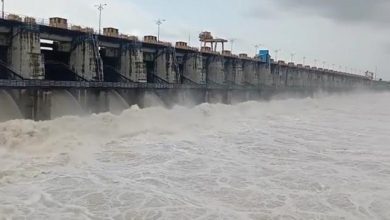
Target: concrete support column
column 281, row 78
column 216, row 70
column 327, row 84
column 251, row 76
column 193, row 69
column 265, row 76
column 238, row 72
column 311, row 78
column 85, row 59
column 229, row 72
column 299, row 77
column 292, row 77
column 25, row 56
column 304, row 78
column 165, row 66
column 317, row 79
column 234, row 72
column 132, row 64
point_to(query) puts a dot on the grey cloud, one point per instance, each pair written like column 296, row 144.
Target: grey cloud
column 259, row 11
column 374, row 12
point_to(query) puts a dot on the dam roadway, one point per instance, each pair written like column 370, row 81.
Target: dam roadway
column 38, row 57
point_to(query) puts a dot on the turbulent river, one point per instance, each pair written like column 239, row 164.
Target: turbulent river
column 326, row 157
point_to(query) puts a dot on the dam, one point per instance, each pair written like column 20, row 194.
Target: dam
column 39, row 59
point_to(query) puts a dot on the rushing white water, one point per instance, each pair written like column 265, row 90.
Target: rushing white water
column 313, row 158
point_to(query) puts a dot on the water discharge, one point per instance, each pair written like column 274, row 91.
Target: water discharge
column 8, row 108
column 316, row 158
column 151, row 99
column 63, row 103
column 117, row 104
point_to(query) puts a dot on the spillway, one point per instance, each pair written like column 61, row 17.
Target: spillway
column 117, row 104
column 8, row 108
column 64, row 104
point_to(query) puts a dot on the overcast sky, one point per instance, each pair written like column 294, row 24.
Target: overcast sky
column 347, row 34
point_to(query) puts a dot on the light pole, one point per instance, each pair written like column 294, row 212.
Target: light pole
column 304, row 59
column 159, row 23
column 376, row 70
column 292, row 57
column 100, row 7
column 315, row 62
column 276, row 54
column 2, row 9
column 257, row 46
column 232, row 44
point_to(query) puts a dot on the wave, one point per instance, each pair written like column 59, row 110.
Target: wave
column 282, row 159
column 176, row 122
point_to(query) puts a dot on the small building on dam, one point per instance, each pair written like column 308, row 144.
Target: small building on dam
column 39, row 59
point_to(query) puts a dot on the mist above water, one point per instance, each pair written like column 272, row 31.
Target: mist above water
column 8, row 108
column 315, row 158
column 63, row 104
column 116, row 103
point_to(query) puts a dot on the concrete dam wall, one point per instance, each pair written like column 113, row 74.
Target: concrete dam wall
column 48, row 70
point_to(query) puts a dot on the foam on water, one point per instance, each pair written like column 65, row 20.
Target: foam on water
column 314, row 158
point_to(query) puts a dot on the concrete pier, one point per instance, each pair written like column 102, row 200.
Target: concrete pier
column 25, row 56
column 193, row 68
column 34, row 104
column 132, row 63
column 85, row 59
column 165, row 66
column 279, row 73
column 265, row 76
column 251, row 73
column 234, row 72
column 215, row 70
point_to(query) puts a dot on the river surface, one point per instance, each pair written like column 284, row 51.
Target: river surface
column 326, row 157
